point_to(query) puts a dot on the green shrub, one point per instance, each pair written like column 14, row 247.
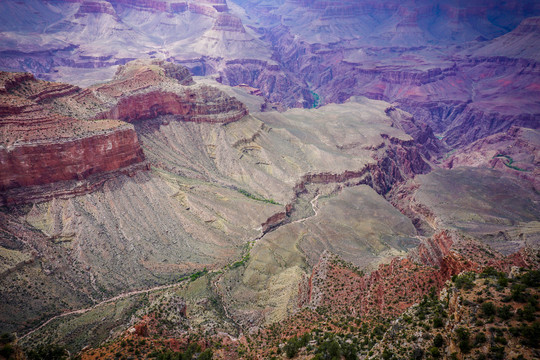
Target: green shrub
column 488, row 309
column 505, row 312
column 464, row 281
column 496, row 353
column 463, row 337
column 489, row 271
column 519, row 292
column 531, row 334
column 501, row 340
column 387, row 354
column 206, row 355
column 6, row 338
column 291, row 347
column 435, row 352
column 480, row 338
column 417, row 354
column 438, row 341
column 329, row 349
column 47, row 351
column 6, row 350
column 527, row 313
column 502, row 281
column 531, row 278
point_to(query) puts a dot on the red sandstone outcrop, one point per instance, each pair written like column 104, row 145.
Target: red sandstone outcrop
column 52, row 132
column 394, row 287
column 55, row 160
column 206, row 105
column 147, row 89
column 41, row 146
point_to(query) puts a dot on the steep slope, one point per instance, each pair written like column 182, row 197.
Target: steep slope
column 55, row 133
column 39, row 146
column 326, row 158
column 215, row 188
column 466, row 70
column 480, row 315
column 476, row 201
column 425, row 57
column 103, row 34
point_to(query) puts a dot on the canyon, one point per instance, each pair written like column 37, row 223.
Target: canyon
column 236, row 177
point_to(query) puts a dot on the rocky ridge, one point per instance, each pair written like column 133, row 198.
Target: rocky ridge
column 57, row 132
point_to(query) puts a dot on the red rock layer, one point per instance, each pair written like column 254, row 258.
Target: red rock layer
column 138, row 76
column 74, row 159
column 41, row 141
column 40, row 146
column 394, row 287
column 228, row 22
column 205, row 106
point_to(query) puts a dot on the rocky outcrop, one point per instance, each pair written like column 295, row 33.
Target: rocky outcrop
column 387, row 291
column 51, row 133
column 399, row 161
column 153, row 5
column 394, row 287
column 50, row 161
column 228, row 22
column 473, row 124
column 91, row 7
column 41, row 146
column 148, row 89
column 207, row 104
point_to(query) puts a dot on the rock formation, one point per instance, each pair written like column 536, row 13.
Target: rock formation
column 41, row 146
column 57, row 132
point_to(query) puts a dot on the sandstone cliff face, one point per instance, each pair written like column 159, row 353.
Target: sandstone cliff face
column 148, row 89
column 204, row 105
column 50, row 161
column 52, row 132
column 40, row 146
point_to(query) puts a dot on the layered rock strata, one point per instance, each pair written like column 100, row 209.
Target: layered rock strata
column 54, row 132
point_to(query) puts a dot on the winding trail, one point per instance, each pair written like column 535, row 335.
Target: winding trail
column 117, row 297
column 215, row 283
column 314, row 206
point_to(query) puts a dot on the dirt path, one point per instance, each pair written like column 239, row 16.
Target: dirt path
column 116, row 298
column 215, row 283
column 314, row 206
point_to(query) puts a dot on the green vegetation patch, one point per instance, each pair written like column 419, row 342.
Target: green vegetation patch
column 257, row 198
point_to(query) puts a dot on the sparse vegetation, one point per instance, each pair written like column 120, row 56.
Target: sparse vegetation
column 257, row 198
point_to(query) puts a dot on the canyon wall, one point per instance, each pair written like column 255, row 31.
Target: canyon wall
column 51, row 132
column 68, row 159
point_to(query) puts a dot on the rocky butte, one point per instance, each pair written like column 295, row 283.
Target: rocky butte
column 54, row 132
